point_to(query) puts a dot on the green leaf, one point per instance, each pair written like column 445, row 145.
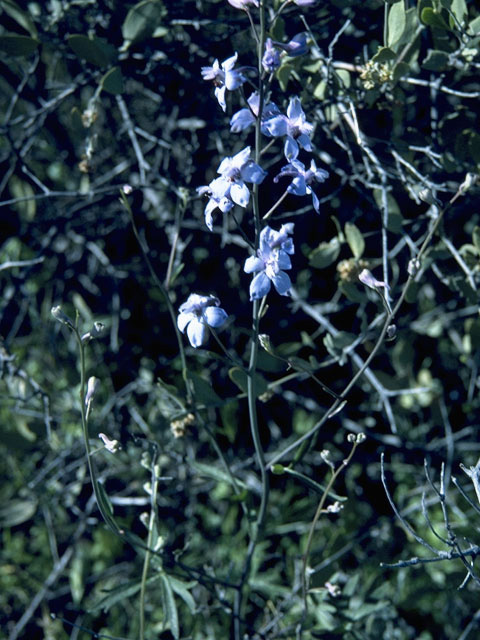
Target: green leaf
column 76, row 576
column 204, row 393
column 141, row 22
column 169, row 402
column 169, row 607
column 336, row 345
column 240, row 378
column 20, row 16
column 355, row 239
column 311, row 484
column 15, row 45
column 474, row 26
column 395, row 218
column 436, row 60
column 112, row 81
column 384, row 54
column 396, row 23
column 283, row 75
column 433, row 19
column 399, row 70
column 476, row 237
column 325, row 254
column 210, row 471
column 117, row 594
column 459, row 10
column 93, row 50
column 15, row 512
column 182, row 589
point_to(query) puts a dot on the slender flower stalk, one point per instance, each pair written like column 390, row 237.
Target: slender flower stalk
column 251, row 386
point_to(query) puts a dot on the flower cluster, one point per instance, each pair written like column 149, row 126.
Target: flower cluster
column 197, row 314
column 224, row 77
column 230, row 187
column 302, row 179
column 271, row 261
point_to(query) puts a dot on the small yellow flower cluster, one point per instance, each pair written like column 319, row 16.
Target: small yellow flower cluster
column 179, row 427
column 349, row 270
column 375, row 73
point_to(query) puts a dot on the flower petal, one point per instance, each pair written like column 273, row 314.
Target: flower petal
column 241, row 120
column 197, row 333
column 252, row 172
column 240, row 194
column 259, row 286
column 290, row 149
column 215, row 316
column 282, row 283
column 253, row 264
column 183, row 319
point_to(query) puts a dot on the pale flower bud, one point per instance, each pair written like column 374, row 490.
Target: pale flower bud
column 110, row 445
column 92, row 386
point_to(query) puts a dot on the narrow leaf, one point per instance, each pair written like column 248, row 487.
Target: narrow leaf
column 169, row 606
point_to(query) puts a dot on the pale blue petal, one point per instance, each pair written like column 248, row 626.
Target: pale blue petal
column 197, row 333
column 215, row 316
column 253, row 264
column 220, row 95
column 183, row 319
column 233, row 79
column 290, row 149
column 316, row 201
column 259, row 286
column 229, row 63
column 240, row 194
column 276, row 126
column 305, row 142
column 225, row 204
column 253, row 173
column 283, row 261
column 297, row 186
column 282, row 283
column 294, row 110
column 241, row 120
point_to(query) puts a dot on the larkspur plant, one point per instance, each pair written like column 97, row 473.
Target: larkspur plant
column 230, row 445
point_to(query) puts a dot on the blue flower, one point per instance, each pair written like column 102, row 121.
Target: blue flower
column 224, row 77
column 247, row 116
column 271, row 57
column 302, row 178
column 294, row 126
column 230, row 187
column 271, row 260
column 297, row 46
column 198, row 312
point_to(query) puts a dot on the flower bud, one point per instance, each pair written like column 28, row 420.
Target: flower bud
column 110, row 445
column 58, row 314
column 92, row 386
column 426, row 195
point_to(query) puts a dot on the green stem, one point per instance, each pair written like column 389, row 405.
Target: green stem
column 257, row 308
column 318, row 513
column 146, row 561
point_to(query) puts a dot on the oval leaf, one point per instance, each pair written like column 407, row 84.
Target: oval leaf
column 142, row 20
column 396, row 23
column 112, row 81
column 240, row 378
column 325, row 254
column 355, row 239
column 14, row 45
column 94, row 50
